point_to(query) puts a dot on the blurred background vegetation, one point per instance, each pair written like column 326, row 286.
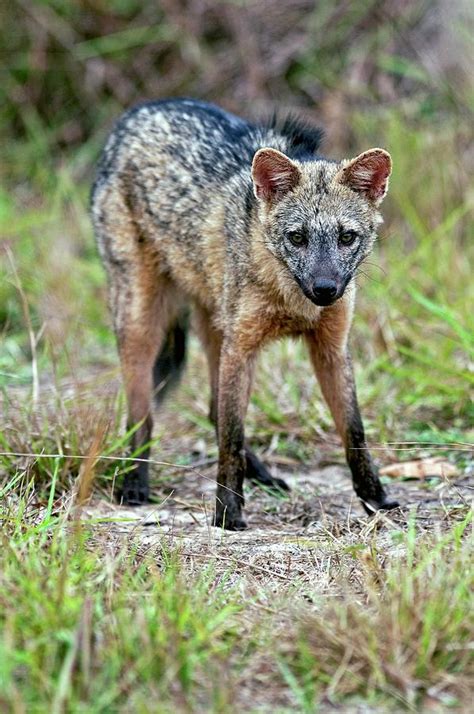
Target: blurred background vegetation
column 392, row 73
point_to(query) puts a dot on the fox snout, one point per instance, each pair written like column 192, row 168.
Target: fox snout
column 323, row 290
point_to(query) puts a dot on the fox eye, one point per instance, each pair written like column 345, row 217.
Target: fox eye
column 347, row 237
column 298, row 238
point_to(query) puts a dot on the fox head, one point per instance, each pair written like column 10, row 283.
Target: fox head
column 319, row 218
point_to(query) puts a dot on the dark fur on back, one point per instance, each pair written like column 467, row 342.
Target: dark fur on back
column 304, row 138
column 239, row 138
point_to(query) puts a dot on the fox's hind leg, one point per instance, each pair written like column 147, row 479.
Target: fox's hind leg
column 211, row 339
column 148, row 358
column 151, row 346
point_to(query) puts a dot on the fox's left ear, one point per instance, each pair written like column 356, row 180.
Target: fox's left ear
column 368, row 174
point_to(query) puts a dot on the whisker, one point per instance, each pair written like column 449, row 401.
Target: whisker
column 369, row 277
column 375, row 265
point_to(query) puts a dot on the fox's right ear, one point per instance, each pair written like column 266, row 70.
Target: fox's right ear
column 273, row 174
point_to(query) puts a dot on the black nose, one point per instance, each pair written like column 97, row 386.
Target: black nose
column 324, row 290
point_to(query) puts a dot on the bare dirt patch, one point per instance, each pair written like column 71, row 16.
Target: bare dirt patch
column 302, row 539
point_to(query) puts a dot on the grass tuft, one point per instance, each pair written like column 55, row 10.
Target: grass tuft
column 404, row 632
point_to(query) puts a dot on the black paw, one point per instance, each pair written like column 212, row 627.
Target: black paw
column 383, row 504
column 134, row 492
column 257, row 473
column 279, row 484
column 388, row 505
column 228, row 513
column 230, row 524
column 276, row 485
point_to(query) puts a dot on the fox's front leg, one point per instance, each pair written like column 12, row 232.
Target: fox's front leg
column 234, row 386
column 333, row 367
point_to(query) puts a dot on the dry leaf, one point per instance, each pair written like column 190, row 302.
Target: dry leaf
column 420, row 468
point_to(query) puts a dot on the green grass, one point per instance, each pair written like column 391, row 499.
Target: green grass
column 94, row 622
column 97, row 626
column 404, row 631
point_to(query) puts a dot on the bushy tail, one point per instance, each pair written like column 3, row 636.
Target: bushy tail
column 171, row 360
